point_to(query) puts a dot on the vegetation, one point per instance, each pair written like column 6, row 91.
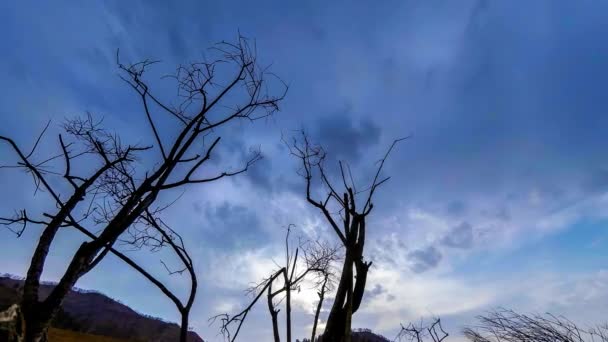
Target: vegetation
column 62, row 335
column 91, row 312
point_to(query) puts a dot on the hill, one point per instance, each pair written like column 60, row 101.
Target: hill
column 62, row 335
column 91, row 312
column 358, row 335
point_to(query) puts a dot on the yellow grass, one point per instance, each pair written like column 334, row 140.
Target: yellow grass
column 60, row 335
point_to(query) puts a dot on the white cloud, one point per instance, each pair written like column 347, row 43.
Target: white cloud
column 409, row 297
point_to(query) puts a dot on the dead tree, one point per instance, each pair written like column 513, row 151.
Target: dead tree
column 351, row 206
column 509, row 326
column 422, row 332
column 110, row 192
column 325, row 286
column 313, row 263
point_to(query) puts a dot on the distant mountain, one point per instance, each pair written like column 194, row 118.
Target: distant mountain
column 94, row 313
column 358, row 335
column 366, row 335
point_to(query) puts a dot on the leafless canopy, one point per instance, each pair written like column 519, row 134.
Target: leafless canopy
column 422, row 332
column 111, row 193
column 314, row 263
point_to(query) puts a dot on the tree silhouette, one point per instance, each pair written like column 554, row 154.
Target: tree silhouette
column 314, row 262
column 351, row 206
column 112, row 194
column 422, row 332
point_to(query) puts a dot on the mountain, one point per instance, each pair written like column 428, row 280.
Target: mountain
column 358, row 335
column 365, row 335
column 91, row 312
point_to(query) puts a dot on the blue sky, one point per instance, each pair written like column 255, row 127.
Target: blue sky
column 499, row 198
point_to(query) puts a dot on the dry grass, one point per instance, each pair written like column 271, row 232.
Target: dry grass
column 60, row 335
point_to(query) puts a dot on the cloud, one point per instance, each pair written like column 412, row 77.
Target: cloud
column 460, row 236
column 375, row 291
column 456, row 208
column 251, row 265
column 412, row 296
column 424, row 259
column 260, row 174
column 233, row 225
column 345, row 137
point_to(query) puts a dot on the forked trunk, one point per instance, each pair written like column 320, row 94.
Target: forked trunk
column 336, row 321
column 348, row 296
column 274, row 314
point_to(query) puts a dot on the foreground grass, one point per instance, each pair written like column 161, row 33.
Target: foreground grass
column 60, row 335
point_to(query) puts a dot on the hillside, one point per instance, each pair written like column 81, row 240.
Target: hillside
column 94, row 313
column 62, row 335
column 359, row 335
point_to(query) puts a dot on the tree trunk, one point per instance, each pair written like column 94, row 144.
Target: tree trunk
column 183, row 331
column 348, row 297
column 274, row 315
column 81, row 263
column 288, row 307
column 29, row 299
column 318, row 310
column 348, row 315
column 334, row 330
column 275, row 325
column 36, row 323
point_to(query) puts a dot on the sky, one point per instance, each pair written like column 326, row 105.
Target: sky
column 498, row 199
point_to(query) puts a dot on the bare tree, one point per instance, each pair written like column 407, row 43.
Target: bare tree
column 422, row 332
column 325, row 286
column 345, row 203
column 114, row 193
column 508, row 326
column 313, row 263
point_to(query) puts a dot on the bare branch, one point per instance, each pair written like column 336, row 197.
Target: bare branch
column 422, row 332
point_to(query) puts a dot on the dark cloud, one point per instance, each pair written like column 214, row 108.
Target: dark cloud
column 460, row 236
column 260, row 174
column 503, row 214
column 379, row 290
column 456, row 208
column 424, row 259
column 233, row 225
column 346, row 137
column 376, row 291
